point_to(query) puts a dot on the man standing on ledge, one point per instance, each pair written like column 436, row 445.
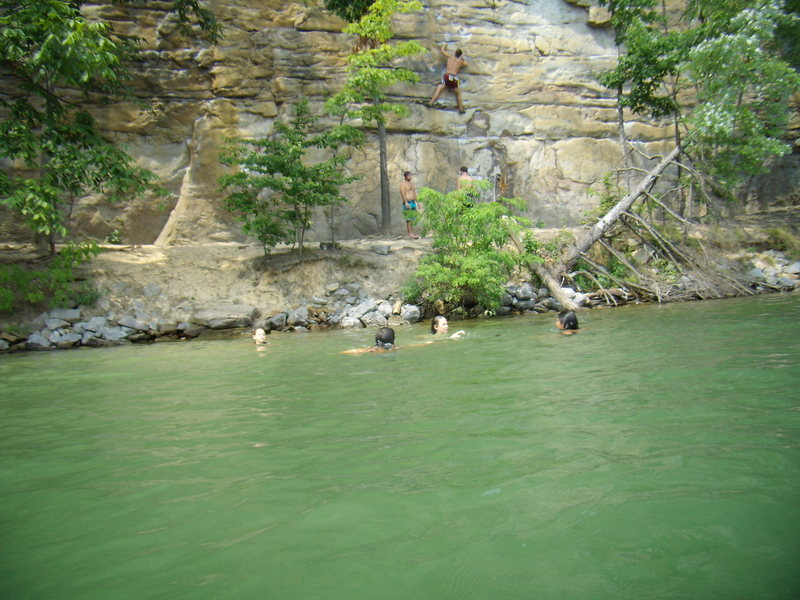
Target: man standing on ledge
column 464, row 179
column 454, row 64
column 409, row 195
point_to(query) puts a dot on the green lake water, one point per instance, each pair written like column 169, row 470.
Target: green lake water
column 655, row 455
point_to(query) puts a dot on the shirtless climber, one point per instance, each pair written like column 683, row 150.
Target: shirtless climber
column 449, row 79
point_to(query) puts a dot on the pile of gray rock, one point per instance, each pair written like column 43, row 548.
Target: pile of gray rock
column 73, row 327
column 341, row 305
column 523, row 297
column 772, row 269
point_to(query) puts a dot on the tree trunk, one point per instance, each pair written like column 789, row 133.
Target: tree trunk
column 544, row 275
column 554, row 287
column 386, row 207
column 550, row 277
column 573, row 254
column 623, row 139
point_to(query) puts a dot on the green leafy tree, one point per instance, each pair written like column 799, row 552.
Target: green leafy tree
column 279, row 182
column 53, row 285
column 55, row 63
column 57, row 59
column 743, row 92
column 788, row 34
column 372, row 69
column 349, row 10
column 474, row 254
column 194, row 19
column 717, row 70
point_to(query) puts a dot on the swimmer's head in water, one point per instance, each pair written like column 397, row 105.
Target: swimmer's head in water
column 567, row 320
column 439, row 324
column 385, row 338
column 260, row 336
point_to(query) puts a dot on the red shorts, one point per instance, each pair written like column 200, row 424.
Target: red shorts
column 450, row 80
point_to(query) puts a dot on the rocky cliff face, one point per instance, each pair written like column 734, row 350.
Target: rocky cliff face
column 537, row 125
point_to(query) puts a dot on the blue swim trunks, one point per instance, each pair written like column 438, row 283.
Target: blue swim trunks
column 409, row 207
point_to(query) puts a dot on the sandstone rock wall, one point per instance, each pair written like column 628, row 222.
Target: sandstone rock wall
column 537, row 125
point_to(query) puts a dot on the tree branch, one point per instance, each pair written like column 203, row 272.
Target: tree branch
column 572, row 256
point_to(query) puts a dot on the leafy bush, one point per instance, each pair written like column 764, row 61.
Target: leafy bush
column 55, row 285
column 282, row 165
column 115, row 237
column 472, row 260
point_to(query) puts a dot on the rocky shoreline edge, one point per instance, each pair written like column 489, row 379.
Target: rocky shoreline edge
column 344, row 305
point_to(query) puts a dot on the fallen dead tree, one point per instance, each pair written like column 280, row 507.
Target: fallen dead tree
column 695, row 277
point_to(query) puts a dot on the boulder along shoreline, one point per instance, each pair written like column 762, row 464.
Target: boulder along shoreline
column 152, row 293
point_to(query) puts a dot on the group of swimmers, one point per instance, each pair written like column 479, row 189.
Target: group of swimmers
column 384, row 339
column 566, row 322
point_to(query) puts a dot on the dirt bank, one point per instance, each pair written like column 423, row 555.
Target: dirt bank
column 161, row 279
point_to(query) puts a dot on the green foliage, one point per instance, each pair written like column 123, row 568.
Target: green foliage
column 617, row 268
column 717, row 70
column 626, row 13
column 472, row 260
column 787, row 37
column 192, row 16
column 584, row 283
column 115, row 237
column 284, row 165
column 372, row 69
column 649, row 61
column 742, row 93
column 413, row 290
column 666, row 270
column 531, row 244
column 349, row 10
column 54, row 285
column 51, row 149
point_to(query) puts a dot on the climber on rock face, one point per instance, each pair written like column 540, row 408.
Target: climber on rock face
column 449, row 79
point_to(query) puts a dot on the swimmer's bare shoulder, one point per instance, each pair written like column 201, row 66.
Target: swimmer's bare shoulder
column 372, row 349
column 357, row 351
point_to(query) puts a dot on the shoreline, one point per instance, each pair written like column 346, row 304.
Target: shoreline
column 156, row 293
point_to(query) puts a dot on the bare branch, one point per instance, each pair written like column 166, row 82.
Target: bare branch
column 668, row 209
column 672, row 252
column 612, row 215
column 600, row 289
column 621, row 258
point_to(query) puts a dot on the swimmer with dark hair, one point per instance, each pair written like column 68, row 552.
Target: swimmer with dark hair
column 439, row 326
column 567, row 322
column 384, row 339
column 384, row 342
column 260, row 336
